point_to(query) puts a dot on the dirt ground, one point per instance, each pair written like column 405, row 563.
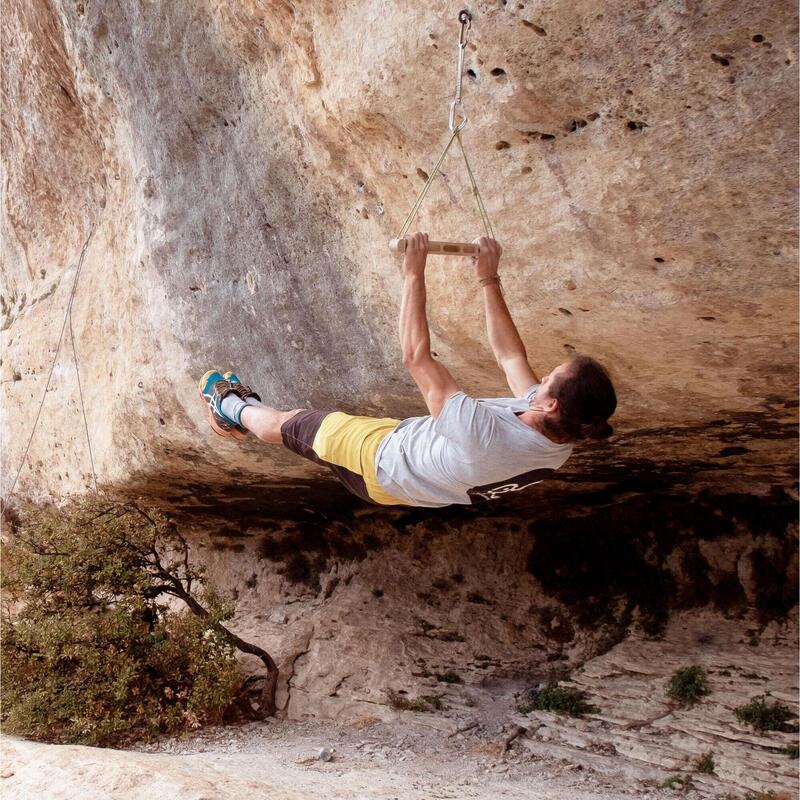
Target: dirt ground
column 412, row 759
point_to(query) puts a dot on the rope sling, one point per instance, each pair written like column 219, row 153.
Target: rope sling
column 398, row 245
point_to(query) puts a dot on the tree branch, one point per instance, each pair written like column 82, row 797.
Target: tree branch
column 268, row 693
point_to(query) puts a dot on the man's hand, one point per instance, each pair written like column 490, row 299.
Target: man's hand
column 487, row 261
column 416, row 254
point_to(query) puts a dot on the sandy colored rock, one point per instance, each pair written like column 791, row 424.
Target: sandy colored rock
column 232, row 173
column 242, row 169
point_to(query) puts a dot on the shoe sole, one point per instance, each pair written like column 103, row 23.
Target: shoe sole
column 214, row 426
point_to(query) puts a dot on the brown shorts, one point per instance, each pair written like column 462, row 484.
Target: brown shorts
column 345, row 444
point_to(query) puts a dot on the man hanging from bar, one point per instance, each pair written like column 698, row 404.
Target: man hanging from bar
column 466, row 450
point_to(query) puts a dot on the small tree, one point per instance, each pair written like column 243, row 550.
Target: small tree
column 91, row 649
column 687, row 685
column 565, row 700
column 765, row 716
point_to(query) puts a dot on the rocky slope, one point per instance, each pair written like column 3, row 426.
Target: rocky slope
column 476, row 745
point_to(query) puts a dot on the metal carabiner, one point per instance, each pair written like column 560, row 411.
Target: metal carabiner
column 465, row 18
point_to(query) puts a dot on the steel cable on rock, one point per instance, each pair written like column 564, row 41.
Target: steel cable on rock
column 67, row 318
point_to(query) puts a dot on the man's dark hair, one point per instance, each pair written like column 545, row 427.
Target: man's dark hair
column 586, row 399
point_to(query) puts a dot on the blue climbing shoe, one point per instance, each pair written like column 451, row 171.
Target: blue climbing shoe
column 213, row 387
column 238, row 388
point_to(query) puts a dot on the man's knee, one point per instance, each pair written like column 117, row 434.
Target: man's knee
column 273, row 433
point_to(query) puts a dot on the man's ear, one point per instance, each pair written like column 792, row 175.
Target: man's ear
column 552, row 405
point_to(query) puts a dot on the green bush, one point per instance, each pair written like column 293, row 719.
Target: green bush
column 688, row 684
column 764, row 717
column 434, row 701
column 91, row 652
column 674, row 781
column 564, row 700
column 403, row 703
column 705, row 764
column 427, row 702
column 449, row 677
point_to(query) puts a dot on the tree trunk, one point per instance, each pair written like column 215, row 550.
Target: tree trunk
column 177, row 589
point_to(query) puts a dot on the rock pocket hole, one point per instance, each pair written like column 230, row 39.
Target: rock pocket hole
column 636, row 125
column 537, row 135
column 422, row 174
column 734, row 451
column 720, row 60
column 502, row 145
column 758, row 38
column 538, row 29
column 472, row 74
column 498, row 71
column 659, row 259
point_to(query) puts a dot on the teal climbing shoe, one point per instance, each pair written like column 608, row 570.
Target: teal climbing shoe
column 238, row 388
column 213, row 387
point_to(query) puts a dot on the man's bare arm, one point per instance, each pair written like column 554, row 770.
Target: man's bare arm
column 504, row 338
column 433, row 379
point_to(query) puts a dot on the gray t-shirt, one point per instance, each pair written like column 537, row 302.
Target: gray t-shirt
column 475, row 450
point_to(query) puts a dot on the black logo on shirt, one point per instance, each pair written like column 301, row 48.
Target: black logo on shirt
column 493, row 491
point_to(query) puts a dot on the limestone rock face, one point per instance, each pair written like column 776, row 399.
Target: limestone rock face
column 234, row 171
column 214, row 185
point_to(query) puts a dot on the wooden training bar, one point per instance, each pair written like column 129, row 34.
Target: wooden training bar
column 439, row 248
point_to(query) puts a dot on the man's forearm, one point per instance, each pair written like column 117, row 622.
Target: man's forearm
column 415, row 339
column 504, row 338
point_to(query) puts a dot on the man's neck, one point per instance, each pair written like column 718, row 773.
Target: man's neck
column 535, row 420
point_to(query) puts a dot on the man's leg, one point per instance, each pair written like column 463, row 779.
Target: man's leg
column 228, row 400
column 266, row 422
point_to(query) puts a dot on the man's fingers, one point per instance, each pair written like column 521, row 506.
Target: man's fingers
column 488, row 245
column 417, row 243
column 482, row 242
